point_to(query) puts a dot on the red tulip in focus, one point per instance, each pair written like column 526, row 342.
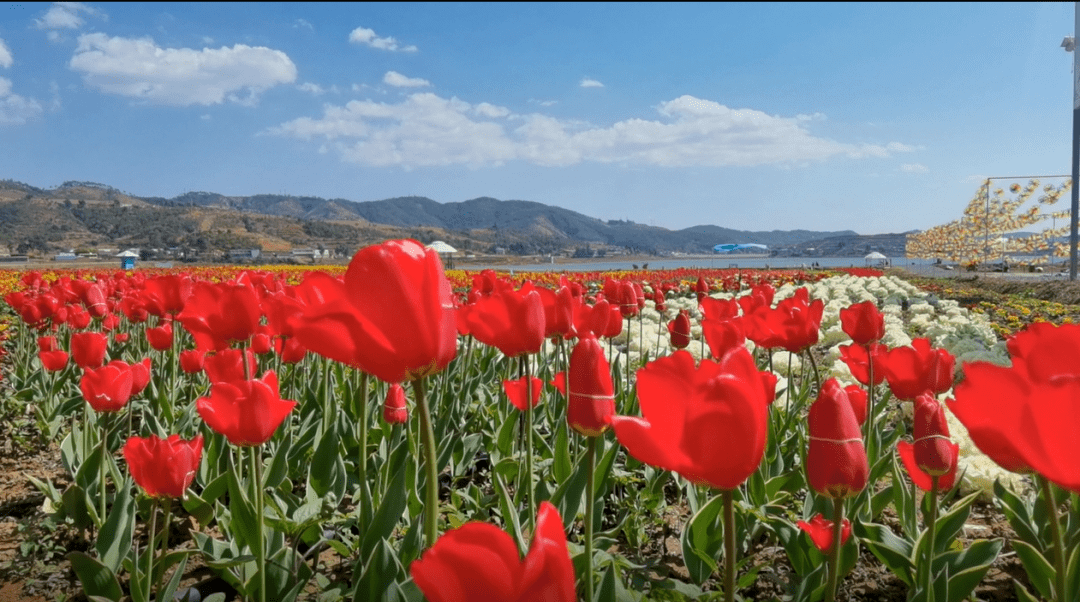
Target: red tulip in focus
column 863, row 322
column 593, row 318
column 1024, row 416
column 53, row 361
column 857, row 358
column 160, row 337
column 478, row 561
column 140, row 374
column 192, row 360
column 163, row 467
column 820, row 531
column 680, row 330
column 836, row 460
column 515, row 391
column 107, row 389
column 228, row 365
column 88, row 349
column 857, row 396
column 912, row 371
column 246, row 412
column 707, row 423
column 513, row 321
column 218, row 315
column 591, row 393
column 393, row 317
column 394, row 408
column 701, row 289
column 559, row 306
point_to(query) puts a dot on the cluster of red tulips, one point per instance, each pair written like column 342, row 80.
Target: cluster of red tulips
column 395, row 316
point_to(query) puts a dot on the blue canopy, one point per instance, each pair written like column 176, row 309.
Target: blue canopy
column 733, row 247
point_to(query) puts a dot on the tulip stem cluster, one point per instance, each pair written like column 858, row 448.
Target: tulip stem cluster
column 931, row 533
column 260, row 544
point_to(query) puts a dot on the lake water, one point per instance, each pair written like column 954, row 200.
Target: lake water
column 709, row 262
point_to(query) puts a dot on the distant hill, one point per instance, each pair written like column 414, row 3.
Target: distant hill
column 89, row 213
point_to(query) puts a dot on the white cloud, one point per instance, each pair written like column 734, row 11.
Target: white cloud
column 425, row 129
column 302, row 24
column 15, row 109
column 311, row 88
column 393, row 78
column 6, row 60
column 362, row 35
column 914, row 168
column 66, row 15
column 588, row 82
column 179, row 76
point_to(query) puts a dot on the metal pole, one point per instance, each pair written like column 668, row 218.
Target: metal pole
column 1075, row 147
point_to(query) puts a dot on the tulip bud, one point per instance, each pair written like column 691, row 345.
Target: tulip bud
column 836, row 460
column 394, row 409
column 591, row 392
column 863, row 322
column 935, row 453
column 680, row 330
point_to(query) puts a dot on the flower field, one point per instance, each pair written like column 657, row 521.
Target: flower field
column 391, row 431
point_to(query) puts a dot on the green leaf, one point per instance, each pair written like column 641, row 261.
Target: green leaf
column 1022, row 594
column 388, row 515
column 509, row 512
column 1039, row 570
column 966, row 569
column 327, row 466
column 114, row 540
column 505, row 439
column 174, row 581
column 950, row 523
column 1072, row 573
column 243, row 522
column 379, row 575
column 95, row 577
column 893, row 551
column 562, row 468
column 701, row 539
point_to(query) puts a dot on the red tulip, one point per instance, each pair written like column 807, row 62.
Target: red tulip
column 512, row 321
column 228, row 365
column 163, row 467
column 912, row 371
column 793, row 325
column 689, row 410
column 515, row 391
column 192, row 360
column 88, row 349
column 47, row 344
column 593, row 318
column 836, row 460
column 261, row 343
column 820, row 530
column 857, row 358
column 107, row 389
column 701, row 289
column 218, row 315
column 858, row 397
column 1024, row 416
column 160, row 337
column 393, row 316
column 478, row 561
column 246, row 412
column 559, row 309
column 53, row 361
column 863, row 322
column 140, row 374
column 591, row 393
column 292, row 351
column 680, row 330
column 394, row 408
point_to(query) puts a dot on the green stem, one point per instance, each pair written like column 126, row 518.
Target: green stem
column 834, row 552
column 103, row 470
column 166, row 504
column 590, row 501
column 729, row 544
column 530, row 490
column 362, row 434
column 931, row 534
column 869, row 401
column 150, row 551
column 427, row 442
column 260, row 545
column 1059, row 541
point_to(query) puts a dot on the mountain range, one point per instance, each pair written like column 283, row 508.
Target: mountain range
column 89, row 213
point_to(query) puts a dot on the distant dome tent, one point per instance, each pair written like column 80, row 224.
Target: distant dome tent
column 445, row 251
column 727, row 248
column 876, row 258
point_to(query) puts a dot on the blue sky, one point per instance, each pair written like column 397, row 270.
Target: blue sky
column 869, row 117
